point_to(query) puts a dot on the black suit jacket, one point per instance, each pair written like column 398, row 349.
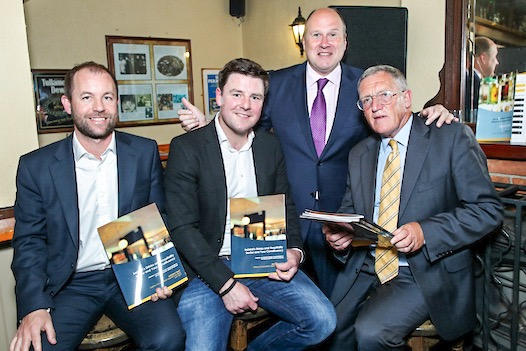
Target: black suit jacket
column 476, row 92
column 196, row 194
column 449, row 192
column 46, row 239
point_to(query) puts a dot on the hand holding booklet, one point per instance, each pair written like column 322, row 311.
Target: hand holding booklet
column 141, row 254
column 365, row 232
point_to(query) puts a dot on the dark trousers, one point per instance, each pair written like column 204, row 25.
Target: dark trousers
column 374, row 316
column 320, row 263
column 78, row 307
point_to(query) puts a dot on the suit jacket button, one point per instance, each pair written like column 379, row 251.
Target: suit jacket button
column 318, row 163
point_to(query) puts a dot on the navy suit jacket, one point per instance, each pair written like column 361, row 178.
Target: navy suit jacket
column 450, row 194
column 46, row 239
column 196, row 198
column 286, row 111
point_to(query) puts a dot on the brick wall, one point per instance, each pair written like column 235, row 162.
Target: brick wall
column 510, row 172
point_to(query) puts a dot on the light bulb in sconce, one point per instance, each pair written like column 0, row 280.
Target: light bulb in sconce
column 245, row 220
column 123, row 243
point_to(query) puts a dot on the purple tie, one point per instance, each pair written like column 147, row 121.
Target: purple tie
column 318, row 117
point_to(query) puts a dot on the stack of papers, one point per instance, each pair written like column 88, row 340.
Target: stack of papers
column 365, row 231
column 331, row 217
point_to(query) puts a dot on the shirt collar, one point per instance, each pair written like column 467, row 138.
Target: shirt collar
column 223, row 139
column 402, row 137
column 79, row 151
column 334, row 77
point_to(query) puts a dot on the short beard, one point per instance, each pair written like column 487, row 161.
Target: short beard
column 84, row 128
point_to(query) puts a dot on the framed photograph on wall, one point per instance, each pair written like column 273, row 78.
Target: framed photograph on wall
column 209, row 76
column 48, row 86
column 153, row 75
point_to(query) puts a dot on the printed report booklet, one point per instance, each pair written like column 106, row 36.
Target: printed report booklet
column 258, row 235
column 141, row 254
column 365, row 231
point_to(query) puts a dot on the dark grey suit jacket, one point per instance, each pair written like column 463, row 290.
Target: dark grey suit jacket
column 196, row 194
column 46, row 239
column 446, row 188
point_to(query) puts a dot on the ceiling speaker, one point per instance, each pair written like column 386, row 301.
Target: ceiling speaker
column 237, row 8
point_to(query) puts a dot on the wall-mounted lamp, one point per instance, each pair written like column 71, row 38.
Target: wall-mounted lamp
column 298, row 28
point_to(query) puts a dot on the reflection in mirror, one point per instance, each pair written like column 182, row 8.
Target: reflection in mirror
column 503, row 22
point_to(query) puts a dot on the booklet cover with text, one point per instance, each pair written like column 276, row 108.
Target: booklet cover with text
column 258, row 235
column 141, row 254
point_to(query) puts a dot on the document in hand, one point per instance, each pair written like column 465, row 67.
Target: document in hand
column 258, row 235
column 141, row 254
column 365, row 232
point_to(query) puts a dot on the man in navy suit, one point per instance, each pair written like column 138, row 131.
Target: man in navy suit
column 447, row 203
column 317, row 181
column 65, row 191
column 486, row 62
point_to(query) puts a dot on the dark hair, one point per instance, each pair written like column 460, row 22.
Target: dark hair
column 92, row 67
column 245, row 67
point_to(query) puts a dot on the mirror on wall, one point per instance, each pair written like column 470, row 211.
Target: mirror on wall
column 503, row 22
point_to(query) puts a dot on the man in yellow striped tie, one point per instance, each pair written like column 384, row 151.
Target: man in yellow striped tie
column 430, row 187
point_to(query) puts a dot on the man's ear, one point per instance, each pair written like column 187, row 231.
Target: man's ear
column 66, row 103
column 483, row 58
column 218, row 97
column 408, row 98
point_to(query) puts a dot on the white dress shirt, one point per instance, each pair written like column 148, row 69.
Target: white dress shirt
column 97, row 189
column 240, row 176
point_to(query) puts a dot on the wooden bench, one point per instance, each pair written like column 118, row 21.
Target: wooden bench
column 242, row 325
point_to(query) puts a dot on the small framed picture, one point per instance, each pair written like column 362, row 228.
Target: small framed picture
column 153, row 75
column 48, row 87
column 209, row 76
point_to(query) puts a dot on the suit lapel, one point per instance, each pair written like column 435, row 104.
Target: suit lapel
column 418, row 147
column 299, row 99
column 63, row 177
column 368, row 165
column 216, row 167
column 262, row 167
column 344, row 110
column 127, row 174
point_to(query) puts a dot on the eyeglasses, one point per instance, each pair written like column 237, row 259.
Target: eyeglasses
column 383, row 97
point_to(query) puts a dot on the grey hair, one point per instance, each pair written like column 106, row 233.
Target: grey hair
column 395, row 73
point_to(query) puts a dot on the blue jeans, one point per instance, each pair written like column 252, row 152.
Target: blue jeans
column 306, row 316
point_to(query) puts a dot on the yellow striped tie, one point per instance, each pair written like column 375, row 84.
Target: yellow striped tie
column 386, row 261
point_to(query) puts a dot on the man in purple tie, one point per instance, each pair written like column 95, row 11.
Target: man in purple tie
column 316, row 173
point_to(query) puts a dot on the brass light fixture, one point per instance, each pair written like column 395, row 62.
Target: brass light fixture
column 298, row 28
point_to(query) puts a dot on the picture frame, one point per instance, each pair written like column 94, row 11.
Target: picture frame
column 48, row 87
column 209, row 81
column 153, row 75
